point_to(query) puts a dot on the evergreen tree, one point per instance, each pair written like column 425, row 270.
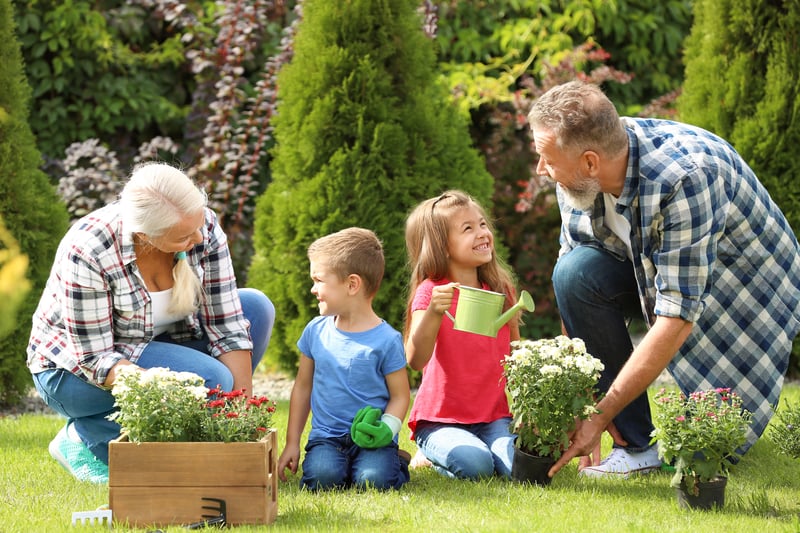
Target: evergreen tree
column 743, row 83
column 28, row 204
column 363, row 133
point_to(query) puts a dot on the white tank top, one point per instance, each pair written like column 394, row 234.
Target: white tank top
column 162, row 319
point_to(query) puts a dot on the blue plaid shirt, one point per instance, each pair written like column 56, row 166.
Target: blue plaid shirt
column 711, row 247
column 95, row 309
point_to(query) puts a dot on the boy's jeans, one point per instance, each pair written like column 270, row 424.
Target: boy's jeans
column 336, row 462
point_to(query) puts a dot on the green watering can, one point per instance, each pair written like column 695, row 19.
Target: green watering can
column 480, row 311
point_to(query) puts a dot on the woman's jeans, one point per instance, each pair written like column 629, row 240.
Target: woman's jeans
column 87, row 406
column 336, row 462
column 467, row 451
column 595, row 294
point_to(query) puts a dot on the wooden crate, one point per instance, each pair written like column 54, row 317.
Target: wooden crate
column 164, row 483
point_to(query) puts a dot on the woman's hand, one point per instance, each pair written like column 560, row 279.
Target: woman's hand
column 112, row 374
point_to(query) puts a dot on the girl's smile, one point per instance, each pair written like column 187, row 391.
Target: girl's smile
column 470, row 242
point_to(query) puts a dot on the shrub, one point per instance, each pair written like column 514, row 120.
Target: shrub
column 363, row 134
column 30, row 207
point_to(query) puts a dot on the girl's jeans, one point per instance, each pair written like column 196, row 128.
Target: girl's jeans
column 595, row 294
column 467, row 451
column 336, row 462
column 87, row 406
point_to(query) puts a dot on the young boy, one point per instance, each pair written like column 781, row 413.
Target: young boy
column 352, row 374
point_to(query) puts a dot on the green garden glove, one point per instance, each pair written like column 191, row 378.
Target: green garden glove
column 371, row 414
column 369, row 431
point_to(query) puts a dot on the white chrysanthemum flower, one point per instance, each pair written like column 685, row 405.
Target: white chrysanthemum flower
column 548, row 370
column 199, row 392
column 579, row 346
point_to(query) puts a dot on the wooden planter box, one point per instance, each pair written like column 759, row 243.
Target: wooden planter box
column 164, row 483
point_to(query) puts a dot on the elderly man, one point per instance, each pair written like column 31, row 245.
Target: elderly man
column 667, row 221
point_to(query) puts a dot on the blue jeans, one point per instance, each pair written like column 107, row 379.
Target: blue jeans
column 337, row 463
column 596, row 294
column 87, row 406
column 467, row 451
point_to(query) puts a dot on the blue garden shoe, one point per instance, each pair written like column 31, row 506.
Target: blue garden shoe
column 76, row 458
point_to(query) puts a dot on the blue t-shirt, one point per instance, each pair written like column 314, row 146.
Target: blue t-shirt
column 349, row 372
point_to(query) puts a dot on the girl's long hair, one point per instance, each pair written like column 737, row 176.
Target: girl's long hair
column 426, row 244
column 155, row 198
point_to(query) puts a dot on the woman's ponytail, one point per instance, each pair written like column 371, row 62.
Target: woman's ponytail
column 187, row 292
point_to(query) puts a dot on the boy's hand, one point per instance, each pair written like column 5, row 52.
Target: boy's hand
column 365, row 414
column 368, row 430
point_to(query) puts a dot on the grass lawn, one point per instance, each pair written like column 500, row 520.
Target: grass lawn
column 763, row 495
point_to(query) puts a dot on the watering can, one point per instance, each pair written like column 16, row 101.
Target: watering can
column 480, row 311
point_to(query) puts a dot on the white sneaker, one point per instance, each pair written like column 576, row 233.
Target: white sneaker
column 621, row 463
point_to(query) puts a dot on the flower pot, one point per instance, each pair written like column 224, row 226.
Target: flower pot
column 174, row 483
column 528, row 468
column 710, row 494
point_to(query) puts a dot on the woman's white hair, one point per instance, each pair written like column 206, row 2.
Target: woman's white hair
column 156, row 197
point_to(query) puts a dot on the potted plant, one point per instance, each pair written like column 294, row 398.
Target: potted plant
column 550, row 383
column 785, row 430
column 183, row 446
column 700, row 434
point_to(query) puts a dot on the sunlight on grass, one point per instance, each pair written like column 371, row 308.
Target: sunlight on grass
column 763, row 494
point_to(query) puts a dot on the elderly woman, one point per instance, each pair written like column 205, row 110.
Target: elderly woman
column 147, row 281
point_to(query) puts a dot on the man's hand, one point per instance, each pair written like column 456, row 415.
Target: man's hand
column 585, row 443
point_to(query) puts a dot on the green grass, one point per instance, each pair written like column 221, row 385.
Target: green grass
column 763, row 495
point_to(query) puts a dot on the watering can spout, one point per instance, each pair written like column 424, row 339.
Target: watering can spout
column 525, row 302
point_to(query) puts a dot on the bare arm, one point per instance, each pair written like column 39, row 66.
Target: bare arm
column 645, row 364
column 425, row 326
column 299, row 408
column 240, row 364
column 399, row 394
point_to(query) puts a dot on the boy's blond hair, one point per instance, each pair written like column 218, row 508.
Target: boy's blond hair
column 352, row 251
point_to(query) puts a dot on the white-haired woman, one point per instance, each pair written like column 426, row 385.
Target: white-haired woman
column 146, row 280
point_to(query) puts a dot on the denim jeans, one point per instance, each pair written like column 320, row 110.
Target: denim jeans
column 596, row 294
column 336, row 462
column 87, row 406
column 468, row 451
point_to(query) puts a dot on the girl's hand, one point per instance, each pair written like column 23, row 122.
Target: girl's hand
column 442, row 297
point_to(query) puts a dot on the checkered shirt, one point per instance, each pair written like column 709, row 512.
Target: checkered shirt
column 711, row 247
column 95, row 309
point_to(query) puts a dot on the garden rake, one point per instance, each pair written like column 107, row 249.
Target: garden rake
column 99, row 517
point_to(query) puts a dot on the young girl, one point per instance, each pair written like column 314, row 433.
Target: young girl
column 460, row 418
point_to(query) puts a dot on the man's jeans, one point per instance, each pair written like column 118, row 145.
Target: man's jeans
column 595, row 294
column 87, row 406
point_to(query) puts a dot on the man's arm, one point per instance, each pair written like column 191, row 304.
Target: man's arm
column 645, row 364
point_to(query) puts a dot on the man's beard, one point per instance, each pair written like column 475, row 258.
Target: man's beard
column 583, row 193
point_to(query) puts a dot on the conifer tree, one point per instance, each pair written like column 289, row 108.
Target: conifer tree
column 363, row 133
column 28, row 203
column 743, row 83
